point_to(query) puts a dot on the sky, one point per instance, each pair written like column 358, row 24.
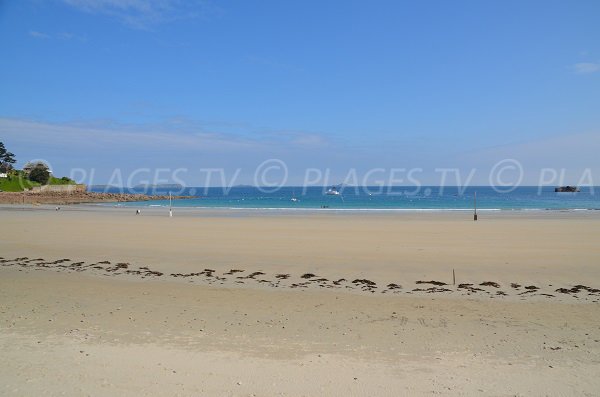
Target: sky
column 118, row 91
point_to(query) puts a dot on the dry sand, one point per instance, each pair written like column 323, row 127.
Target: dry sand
column 65, row 329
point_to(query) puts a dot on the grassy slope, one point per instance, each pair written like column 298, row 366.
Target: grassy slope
column 18, row 182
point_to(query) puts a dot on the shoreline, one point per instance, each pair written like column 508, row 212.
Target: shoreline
column 157, row 208
column 292, row 209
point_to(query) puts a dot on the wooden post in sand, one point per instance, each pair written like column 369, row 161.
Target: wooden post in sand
column 475, row 207
column 453, row 277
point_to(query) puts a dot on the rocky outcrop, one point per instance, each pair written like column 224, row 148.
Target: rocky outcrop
column 566, row 189
column 63, row 198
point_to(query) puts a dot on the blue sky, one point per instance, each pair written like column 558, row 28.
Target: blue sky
column 105, row 84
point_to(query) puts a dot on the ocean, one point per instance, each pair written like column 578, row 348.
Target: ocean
column 426, row 198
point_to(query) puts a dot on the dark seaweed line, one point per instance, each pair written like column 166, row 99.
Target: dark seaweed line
column 307, row 280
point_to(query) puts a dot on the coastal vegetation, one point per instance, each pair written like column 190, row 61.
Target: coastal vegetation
column 7, row 159
column 33, row 174
column 40, row 174
column 37, row 173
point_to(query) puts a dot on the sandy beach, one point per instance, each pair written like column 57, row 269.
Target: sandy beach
column 99, row 301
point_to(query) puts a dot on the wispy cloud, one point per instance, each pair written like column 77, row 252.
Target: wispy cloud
column 71, row 36
column 61, row 36
column 141, row 14
column 272, row 64
column 107, row 145
column 38, row 35
column 586, row 67
column 181, row 134
column 107, row 134
column 572, row 152
column 297, row 139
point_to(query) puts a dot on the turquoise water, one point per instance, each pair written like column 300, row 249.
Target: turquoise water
column 378, row 198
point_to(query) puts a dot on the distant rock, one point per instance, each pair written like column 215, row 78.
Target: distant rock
column 566, row 189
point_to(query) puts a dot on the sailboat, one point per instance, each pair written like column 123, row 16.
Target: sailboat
column 294, row 199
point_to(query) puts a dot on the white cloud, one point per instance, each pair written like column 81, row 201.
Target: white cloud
column 586, row 67
column 272, row 64
column 140, row 14
column 180, row 134
column 574, row 153
column 70, row 36
column 107, row 145
column 38, row 35
column 107, row 135
column 62, row 36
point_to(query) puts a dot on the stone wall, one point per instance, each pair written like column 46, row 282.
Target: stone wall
column 59, row 188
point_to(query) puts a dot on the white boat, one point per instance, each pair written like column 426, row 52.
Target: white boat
column 333, row 191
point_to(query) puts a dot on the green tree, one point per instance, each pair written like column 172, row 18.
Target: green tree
column 31, row 165
column 39, row 173
column 7, row 159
